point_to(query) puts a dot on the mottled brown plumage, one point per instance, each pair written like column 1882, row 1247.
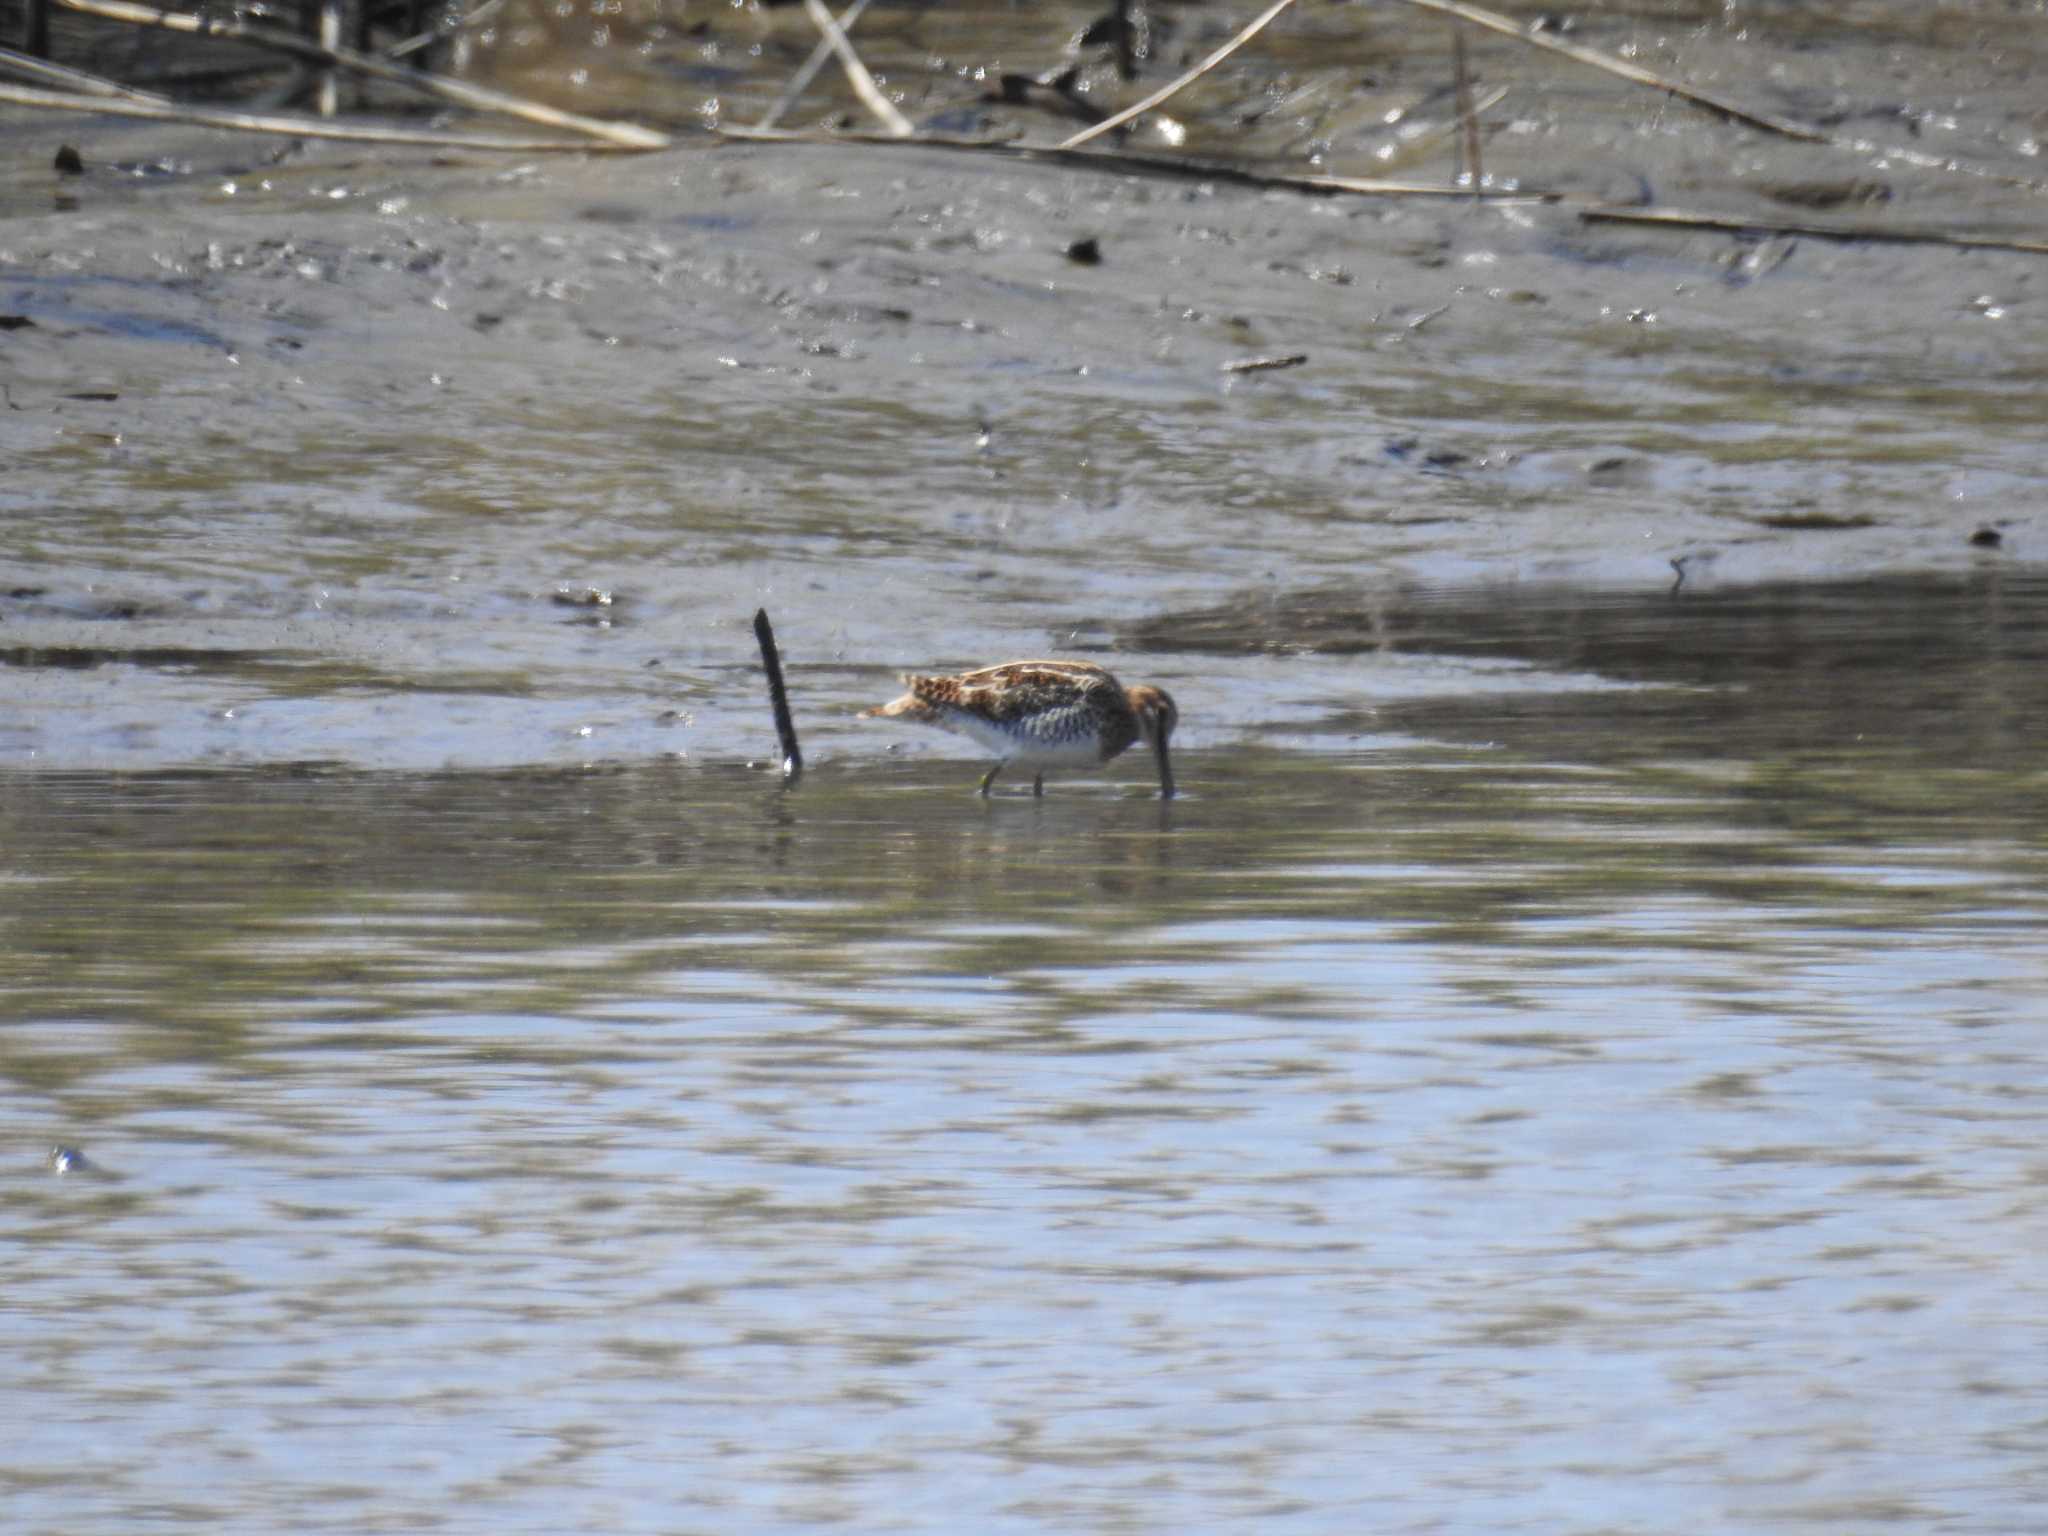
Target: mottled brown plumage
column 1044, row 714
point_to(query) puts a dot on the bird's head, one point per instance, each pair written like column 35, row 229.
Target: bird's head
column 1157, row 716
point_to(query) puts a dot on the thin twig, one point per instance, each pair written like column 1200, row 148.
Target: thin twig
column 1263, row 364
column 1422, row 144
column 807, row 71
column 1056, row 90
column 857, row 74
column 1897, row 234
column 1139, row 109
column 434, row 34
column 778, row 695
column 297, row 127
column 1126, row 49
column 70, row 79
column 1468, row 115
column 1926, row 162
column 1380, row 186
column 1172, row 167
column 846, row 136
column 1493, row 21
column 327, row 32
column 625, row 135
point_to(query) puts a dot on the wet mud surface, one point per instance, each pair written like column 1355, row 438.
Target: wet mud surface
column 327, row 431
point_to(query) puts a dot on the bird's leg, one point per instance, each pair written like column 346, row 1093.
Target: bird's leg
column 990, row 777
column 1038, row 784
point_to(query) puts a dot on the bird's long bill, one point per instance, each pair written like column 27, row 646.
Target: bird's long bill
column 1165, row 768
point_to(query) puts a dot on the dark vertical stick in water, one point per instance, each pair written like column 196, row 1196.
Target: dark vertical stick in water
column 778, row 696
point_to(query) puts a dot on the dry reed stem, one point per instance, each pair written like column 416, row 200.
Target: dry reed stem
column 327, row 91
column 624, row 135
column 1174, row 167
column 1493, row 21
column 1468, row 115
column 1921, row 160
column 75, row 80
column 806, row 72
column 1139, row 109
column 1370, row 186
column 434, row 35
column 1899, row 234
column 1263, row 364
column 1424, row 143
column 297, row 127
column 857, row 74
column 744, row 134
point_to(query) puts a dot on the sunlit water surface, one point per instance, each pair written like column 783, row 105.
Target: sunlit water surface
column 1586, row 1075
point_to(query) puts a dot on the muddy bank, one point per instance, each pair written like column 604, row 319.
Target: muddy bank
column 335, row 426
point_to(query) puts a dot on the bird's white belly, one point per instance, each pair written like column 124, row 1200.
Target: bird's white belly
column 1079, row 751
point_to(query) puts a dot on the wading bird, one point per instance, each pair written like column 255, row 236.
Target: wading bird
column 1043, row 714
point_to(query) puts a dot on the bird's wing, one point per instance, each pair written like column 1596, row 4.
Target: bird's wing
column 1013, row 689
column 1011, row 674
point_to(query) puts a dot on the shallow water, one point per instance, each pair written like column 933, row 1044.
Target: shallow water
column 1601, row 1091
